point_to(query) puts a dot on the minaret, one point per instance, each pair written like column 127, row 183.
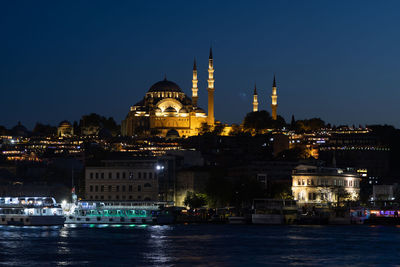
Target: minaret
column 194, row 84
column 274, row 98
column 210, row 89
column 255, row 100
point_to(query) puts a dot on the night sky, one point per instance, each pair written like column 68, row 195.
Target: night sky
column 338, row 60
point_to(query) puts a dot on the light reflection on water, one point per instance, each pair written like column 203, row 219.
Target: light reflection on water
column 220, row 245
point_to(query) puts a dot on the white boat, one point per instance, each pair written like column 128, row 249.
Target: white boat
column 113, row 212
column 274, row 211
column 30, row 211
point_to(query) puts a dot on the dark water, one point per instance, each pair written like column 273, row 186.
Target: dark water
column 216, row 245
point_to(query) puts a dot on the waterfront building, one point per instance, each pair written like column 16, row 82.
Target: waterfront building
column 318, row 185
column 167, row 111
column 123, row 180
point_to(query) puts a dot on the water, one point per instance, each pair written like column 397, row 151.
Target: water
column 186, row 245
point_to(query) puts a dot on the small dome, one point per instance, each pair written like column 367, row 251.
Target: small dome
column 183, row 110
column 170, row 109
column 65, row 124
column 157, row 110
column 165, row 86
column 199, row 110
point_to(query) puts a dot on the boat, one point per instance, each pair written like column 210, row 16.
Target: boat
column 115, row 212
column 30, row 211
column 237, row 220
column 274, row 211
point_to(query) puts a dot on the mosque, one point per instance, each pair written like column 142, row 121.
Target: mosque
column 167, row 111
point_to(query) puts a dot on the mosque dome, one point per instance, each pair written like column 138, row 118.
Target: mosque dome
column 65, row 124
column 165, row 86
column 199, row 110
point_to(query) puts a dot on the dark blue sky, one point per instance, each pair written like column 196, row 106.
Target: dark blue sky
column 338, row 60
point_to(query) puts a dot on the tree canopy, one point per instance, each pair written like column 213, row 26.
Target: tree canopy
column 262, row 120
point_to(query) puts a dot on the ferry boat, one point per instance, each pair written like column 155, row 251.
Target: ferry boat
column 274, row 211
column 30, row 211
column 114, row 212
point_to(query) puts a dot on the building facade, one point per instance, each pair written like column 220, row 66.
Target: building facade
column 127, row 180
column 316, row 185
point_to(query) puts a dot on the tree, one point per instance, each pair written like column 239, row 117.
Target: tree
column 204, row 128
column 195, row 200
column 257, row 121
column 235, row 130
column 44, row 130
column 309, row 125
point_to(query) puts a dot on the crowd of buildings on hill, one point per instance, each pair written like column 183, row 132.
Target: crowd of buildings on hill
column 167, row 146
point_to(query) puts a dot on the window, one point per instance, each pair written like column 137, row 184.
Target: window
column 102, row 197
column 130, row 175
column 308, row 182
column 139, row 188
column 139, row 175
column 130, row 188
column 96, row 197
column 109, row 188
column 102, row 188
column 117, row 188
column 123, row 188
column 91, row 175
column 145, row 175
column 102, row 175
column 96, row 188
column 123, row 175
column 130, row 197
column 117, row 175
column 109, row 175
column 150, row 175
column 312, row 181
column 97, row 175
column 91, row 188
column 116, row 197
column 299, row 182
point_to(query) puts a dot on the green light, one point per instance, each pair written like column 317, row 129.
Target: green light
column 132, row 225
